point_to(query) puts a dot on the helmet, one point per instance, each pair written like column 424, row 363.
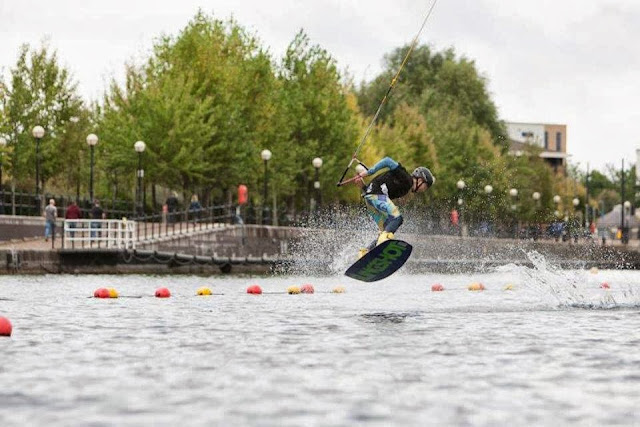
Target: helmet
column 424, row 173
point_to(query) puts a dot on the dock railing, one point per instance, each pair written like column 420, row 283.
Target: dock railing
column 98, row 234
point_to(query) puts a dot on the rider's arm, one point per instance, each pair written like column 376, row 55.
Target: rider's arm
column 387, row 162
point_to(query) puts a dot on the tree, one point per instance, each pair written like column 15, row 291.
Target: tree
column 316, row 118
column 435, row 80
column 41, row 92
column 203, row 103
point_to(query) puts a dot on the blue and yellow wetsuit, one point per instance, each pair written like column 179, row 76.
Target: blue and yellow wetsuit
column 380, row 192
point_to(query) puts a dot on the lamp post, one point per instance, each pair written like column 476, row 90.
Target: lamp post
column 460, row 185
column 38, row 133
column 3, row 143
column 317, row 164
column 536, row 197
column 514, row 194
column 556, row 200
column 92, row 140
column 139, row 146
column 266, row 156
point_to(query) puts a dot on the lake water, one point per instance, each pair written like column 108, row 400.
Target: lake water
column 556, row 350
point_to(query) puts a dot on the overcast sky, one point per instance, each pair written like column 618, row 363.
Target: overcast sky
column 548, row 61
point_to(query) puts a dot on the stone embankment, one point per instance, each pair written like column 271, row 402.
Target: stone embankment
column 261, row 249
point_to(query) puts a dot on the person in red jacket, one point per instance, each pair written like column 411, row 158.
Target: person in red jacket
column 73, row 212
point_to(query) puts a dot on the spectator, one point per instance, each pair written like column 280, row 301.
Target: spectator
column 50, row 215
column 172, row 204
column 454, row 217
column 96, row 214
column 195, row 207
column 73, row 212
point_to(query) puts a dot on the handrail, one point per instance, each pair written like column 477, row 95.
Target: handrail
column 99, row 233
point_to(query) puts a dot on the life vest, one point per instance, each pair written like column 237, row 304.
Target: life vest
column 394, row 183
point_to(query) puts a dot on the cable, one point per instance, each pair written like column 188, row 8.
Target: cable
column 384, row 99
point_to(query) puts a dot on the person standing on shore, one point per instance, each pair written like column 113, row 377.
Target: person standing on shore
column 73, row 212
column 97, row 214
column 50, row 215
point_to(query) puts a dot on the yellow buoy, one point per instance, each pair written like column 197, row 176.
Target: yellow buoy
column 113, row 293
column 476, row 287
column 508, row 287
column 593, row 270
column 338, row 290
column 293, row 290
column 203, row 291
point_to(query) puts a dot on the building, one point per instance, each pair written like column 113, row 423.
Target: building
column 552, row 138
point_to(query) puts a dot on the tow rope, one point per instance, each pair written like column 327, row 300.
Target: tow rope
column 384, row 100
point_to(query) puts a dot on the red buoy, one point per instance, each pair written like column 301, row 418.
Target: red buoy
column 437, row 288
column 605, row 285
column 254, row 289
column 163, row 293
column 101, row 293
column 307, row 289
column 5, row 327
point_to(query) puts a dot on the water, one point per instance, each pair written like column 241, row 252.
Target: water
column 555, row 350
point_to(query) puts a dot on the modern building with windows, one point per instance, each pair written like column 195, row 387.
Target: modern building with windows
column 552, row 138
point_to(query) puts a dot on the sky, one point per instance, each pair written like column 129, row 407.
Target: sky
column 571, row 62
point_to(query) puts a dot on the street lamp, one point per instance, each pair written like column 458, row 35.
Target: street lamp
column 3, row 143
column 92, row 140
column 575, row 202
column 460, row 184
column 140, row 146
column 38, row 133
column 536, row 196
column 513, row 193
column 317, row 163
column 488, row 189
column 266, row 156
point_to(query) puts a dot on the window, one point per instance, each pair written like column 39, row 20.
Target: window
column 558, row 141
column 546, row 140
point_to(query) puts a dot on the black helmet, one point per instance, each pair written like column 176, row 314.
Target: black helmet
column 424, row 173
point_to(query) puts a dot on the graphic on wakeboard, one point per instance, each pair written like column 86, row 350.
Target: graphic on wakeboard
column 380, row 262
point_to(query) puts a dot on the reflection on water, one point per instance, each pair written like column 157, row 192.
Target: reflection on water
column 555, row 350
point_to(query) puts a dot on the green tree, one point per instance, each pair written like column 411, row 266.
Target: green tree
column 316, row 118
column 203, row 103
column 40, row 91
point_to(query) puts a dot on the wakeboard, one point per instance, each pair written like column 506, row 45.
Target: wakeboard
column 380, row 262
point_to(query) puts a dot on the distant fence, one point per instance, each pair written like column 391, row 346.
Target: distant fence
column 183, row 222
column 27, row 204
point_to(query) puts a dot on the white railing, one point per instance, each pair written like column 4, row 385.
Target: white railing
column 99, row 233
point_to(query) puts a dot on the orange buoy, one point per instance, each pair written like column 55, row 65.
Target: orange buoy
column 605, row 285
column 163, row 293
column 101, row 293
column 307, row 289
column 113, row 293
column 5, row 327
column 254, row 289
column 437, row 288
column 476, row 287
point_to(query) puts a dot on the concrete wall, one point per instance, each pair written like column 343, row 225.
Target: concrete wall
column 18, row 227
